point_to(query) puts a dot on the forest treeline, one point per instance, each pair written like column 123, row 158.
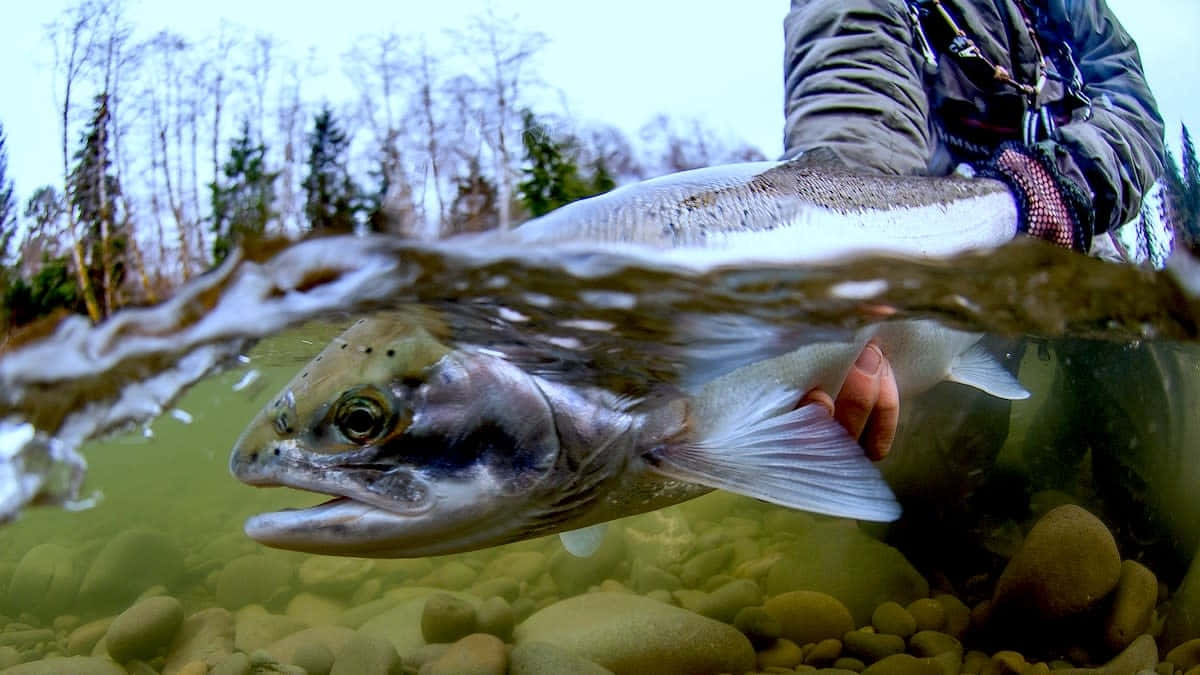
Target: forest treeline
column 173, row 149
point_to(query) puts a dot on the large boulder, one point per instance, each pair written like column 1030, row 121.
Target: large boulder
column 838, row 559
column 631, row 634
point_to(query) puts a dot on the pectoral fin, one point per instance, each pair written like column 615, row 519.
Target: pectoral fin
column 800, row 458
column 585, row 541
column 977, row 368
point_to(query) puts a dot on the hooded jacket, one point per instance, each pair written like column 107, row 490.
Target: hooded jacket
column 858, row 82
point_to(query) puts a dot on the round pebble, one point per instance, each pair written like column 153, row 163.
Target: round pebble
column 892, row 619
column 144, row 629
column 477, row 654
column 758, row 625
column 495, row 617
column 871, row 647
column 366, row 655
column 824, row 652
column 1186, row 655
column 1132, row 607
column 932, row 643
column 315, row 658
column 809, row 616
column 447, row 619
column 1067, row 563
column 782, row 654
column 541, row 658
column 929, row 614
column 903, row 664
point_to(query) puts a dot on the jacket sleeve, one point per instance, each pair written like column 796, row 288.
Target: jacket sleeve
column 1119, row 149
column 853, row 84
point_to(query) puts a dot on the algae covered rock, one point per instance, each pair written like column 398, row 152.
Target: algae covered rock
column 365, row 655
column 206, row 636
column 447, row 618
column 1183, row 617
column 809, row 616
column 838, row 559
column 44, row 582
column 540, row 658
column 1067, row 563
column 630, row 634
column 128, row 564
column 477, row 654
column 1132, row 607
column 75, row 665
column 144, row 629
column 252, row 579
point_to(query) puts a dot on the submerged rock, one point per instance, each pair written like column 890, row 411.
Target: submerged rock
column 1132, row 607
column 541, row 658
column 206, row 636
column 144, row 629
column 447, row 618
column 74, row 665
column 1183, row 617
column 252, row 579
column 365, row 655
column 838, row 559
column 328, row 574
column 631, row 634
column 333, row 638
column 44, row 582
column 255, row 628
column 809, row 616
column 130, row 563
column 476, row 654
column 1067, row 563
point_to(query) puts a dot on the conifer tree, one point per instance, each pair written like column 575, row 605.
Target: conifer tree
column 242, row 203
column 329, row 192
column 92, row 193
column 551, row 170
column 1183, row 187
column 8, row 204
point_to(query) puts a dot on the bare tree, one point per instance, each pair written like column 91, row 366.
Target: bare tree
column 424, row 109
column 258, row 68
column 169, row 114
column 74, row 40
column 503, row 55
column 379, row 67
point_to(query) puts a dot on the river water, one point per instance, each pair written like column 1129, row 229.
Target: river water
column 152, row 401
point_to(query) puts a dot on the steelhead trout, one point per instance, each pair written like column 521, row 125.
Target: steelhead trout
column 428, row 449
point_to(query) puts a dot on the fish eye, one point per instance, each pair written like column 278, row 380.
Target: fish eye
column 361, row 417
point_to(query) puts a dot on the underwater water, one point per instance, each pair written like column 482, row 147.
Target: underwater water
column 1057, row 531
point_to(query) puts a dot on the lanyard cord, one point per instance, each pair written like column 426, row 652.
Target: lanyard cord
column 963, row 47
column 1037, row 122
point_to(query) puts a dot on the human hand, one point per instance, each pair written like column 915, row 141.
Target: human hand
column 868, row 405
column 1050, row 206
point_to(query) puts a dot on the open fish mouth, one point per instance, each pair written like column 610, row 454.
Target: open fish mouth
column 338, row 525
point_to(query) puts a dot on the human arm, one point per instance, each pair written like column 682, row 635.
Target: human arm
column 1117, row 150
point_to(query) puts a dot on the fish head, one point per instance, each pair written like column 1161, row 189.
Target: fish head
column 425, row 449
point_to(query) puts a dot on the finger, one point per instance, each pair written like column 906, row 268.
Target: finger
column 885, row 418
column 819, row 397
column 860, row 391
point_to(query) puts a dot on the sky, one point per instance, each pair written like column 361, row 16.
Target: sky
column 618, row 62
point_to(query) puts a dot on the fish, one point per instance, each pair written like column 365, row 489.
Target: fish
column 428, row 447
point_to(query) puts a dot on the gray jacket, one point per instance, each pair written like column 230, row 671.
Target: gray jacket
column 858, row 83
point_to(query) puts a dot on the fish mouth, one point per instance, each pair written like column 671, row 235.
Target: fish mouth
column 337, row 526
